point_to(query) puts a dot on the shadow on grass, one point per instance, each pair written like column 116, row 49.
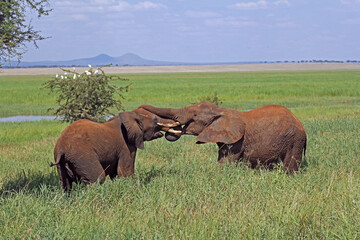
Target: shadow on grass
column 145, row 177
column 35, row 182
column 28, row 182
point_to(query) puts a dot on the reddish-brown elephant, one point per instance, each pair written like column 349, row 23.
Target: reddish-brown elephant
column 261, row 136
column 88, row 151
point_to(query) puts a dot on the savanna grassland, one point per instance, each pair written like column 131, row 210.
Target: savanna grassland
column 179, row 191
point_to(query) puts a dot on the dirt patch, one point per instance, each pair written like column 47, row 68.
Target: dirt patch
column 194, row 68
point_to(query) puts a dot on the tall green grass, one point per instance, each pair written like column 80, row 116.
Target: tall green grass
column 21, row 95
column 179, row 191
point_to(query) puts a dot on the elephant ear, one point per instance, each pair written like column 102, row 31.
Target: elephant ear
column 223, row 129
column 133, row 127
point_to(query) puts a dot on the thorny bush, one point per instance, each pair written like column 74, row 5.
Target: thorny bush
column 88, row 95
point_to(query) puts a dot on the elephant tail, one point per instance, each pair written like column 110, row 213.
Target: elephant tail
column 65, row 173
column 305, row 146
column 59, row 158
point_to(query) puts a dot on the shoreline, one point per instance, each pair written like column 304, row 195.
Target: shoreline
column 258, row 67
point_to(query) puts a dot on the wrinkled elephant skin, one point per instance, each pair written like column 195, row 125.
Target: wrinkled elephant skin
column 262, row 136
column 88, row 151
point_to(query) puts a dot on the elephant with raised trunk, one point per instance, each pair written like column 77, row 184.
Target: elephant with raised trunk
column 88, row 151
column 262, row 136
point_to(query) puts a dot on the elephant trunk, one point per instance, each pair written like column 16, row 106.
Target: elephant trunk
column 170, row 113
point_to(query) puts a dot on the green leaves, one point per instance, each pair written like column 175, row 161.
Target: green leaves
column 212, row 99
column 14, row 30
column 88, row 95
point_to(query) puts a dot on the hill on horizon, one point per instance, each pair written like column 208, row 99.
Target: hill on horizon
column 128, row 59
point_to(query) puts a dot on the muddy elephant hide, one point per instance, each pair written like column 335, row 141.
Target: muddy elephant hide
column 88, row 151
column 262, row 136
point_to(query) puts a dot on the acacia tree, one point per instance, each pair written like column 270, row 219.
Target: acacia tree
column 87, row 95
column 15, row 31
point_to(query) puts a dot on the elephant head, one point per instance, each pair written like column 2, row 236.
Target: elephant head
column 207, row 121
column 140, row 125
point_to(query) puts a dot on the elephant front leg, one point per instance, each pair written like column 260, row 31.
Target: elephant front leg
column 126, row 163
column 228, row 153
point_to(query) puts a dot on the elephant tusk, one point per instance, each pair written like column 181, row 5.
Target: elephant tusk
column 169, row 124
column 174, row 131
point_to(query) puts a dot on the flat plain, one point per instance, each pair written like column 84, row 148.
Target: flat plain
column 179, row 191
column 196, row 68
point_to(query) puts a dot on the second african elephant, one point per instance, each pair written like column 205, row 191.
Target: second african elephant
column 261, row 136
column 88, row 151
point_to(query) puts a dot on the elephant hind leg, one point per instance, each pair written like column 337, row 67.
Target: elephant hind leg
column 66, row 176
column 292, row 160
column 89, row 170
column 94, row 175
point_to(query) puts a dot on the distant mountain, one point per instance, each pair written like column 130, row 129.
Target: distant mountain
column 128, row 59
column 131, row 59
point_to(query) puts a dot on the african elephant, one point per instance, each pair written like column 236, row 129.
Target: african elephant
column 261, row 136
column 88, row 151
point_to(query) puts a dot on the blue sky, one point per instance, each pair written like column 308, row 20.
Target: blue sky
column 201, row 30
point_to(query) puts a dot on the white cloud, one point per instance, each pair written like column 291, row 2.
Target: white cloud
column 78, row 17
column 106, row 5
column 79, row 7
column 120, row 6
column 63, row 4
column 280, row 3
column 148, row 5
column 102, row 2
column 230, row 21
column 349, row 1
column 201, row 14
column 260, row 4
column 251, row 5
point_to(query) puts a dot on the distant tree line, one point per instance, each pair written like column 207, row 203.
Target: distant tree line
column 314, row 61
column 125, row 65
